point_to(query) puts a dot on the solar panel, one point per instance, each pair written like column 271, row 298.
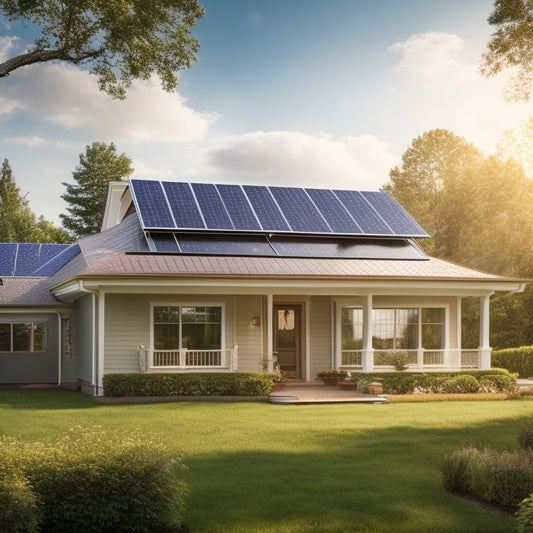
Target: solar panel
column 183, row 205
column 175, row 206
column 164, row 242
column 225, row 245
column 59, row 261
column 333, row 211
column 238, row 207
column 151, row 203
column 8, row 253
column 27, row 259
column 213, row 209
column 299, row 210
column 363, row 213
column 266, row 209
column 393, row 214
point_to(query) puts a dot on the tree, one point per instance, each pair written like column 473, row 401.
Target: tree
column 518, row 144
column 120, row 40
column 511, row 45
column 17, row 221
column 87, row 197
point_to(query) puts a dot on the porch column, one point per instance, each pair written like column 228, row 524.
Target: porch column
column 367, row 354
column 484, row 327
column 270, row 333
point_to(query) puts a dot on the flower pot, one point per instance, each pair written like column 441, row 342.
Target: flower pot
column 347, row 385
column 330, row 380
column 278, row 385
column 375, row 388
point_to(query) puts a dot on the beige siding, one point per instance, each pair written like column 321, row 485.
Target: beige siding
column 248, row 336
column 319, row 334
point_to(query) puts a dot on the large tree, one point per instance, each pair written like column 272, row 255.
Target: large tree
column 119, row 40
column 511, row 45
column 18, row 222
column 87, row 196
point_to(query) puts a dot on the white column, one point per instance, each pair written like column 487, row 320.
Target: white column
column 484, row 329
column 270, row 332
column 367, row 355
column 101, row 345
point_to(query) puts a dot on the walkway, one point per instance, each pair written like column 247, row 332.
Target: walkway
column 305, row 393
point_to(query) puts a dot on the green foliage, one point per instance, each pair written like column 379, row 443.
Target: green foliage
column 87, row 197
column 525, row 438
column 524, row 516
column 92, row 481
column 510, row 46
column 498, row 383
column 396, row 358
column 189, row 384
column 501, row 478
column 460, row 385
column 519, row 360
column 119, row 41
column 332, row 374
column 434, row 382
column 19, row 509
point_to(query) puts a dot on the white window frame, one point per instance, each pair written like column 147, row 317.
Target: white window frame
column 31, row 323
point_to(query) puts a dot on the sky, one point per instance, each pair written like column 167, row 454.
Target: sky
column 291, row 92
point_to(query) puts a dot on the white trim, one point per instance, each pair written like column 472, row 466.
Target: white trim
column 101, row 342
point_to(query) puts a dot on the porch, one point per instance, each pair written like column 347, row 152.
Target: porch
column 314, row 392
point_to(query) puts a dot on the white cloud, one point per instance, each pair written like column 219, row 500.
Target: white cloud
column 6, row 43
column 29, row 141
column 68, row 97
column 432, row 53
column 293, row 158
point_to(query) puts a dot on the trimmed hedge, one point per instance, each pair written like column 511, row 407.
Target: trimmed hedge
column 411, row 382
column 91, row 481
column 518, row 360
column 189, row 384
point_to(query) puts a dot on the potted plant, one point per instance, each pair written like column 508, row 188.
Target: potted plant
column 330, row 377
column 278, row 377
column 348, row 383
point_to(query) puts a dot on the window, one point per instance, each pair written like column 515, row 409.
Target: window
column 433, row 328
column 395, row 329
column 194, row 328
column 23, row 336
column 352, row 328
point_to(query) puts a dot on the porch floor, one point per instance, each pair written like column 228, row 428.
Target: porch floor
column 305, row 393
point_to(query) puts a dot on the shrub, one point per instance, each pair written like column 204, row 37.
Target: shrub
column 498, row 383
column 519, row 360
column 398, row 359
column 524, row 516
column 455, row 470
column 461, row 384
column 525, row 438
column 18, row 504
column 188, row 384
column 88, row 481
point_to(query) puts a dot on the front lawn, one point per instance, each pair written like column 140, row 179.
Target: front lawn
column 257, row 467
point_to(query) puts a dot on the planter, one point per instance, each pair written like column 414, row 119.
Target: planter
column 347, row 385
column 278, row 385
column 375, row 388
column 330, row 380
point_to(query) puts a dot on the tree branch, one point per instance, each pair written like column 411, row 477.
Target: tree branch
column 37, row 56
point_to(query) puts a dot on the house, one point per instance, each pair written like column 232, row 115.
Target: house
column 217, row 278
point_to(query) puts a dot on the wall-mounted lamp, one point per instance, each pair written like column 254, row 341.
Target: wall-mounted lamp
column 256, row 321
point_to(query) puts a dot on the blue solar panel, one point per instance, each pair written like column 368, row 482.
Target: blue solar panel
column 213, row 209
column 27, row 259
column 151, row 204
column 333, row 211
column 299, row 210
column 8, row 253
column 225, row 245
column 363, row 213
column 164, row 242
column 394, row 214
column 266, row 209
column 238, row 207
column 183, row 205
column 59, row 261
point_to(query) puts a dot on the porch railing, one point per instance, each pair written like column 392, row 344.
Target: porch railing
column 224, row 359
column 418, row 359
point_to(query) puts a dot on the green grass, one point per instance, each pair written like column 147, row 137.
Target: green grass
column 256, row 467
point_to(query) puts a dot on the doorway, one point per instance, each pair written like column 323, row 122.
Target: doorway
column 288, row 339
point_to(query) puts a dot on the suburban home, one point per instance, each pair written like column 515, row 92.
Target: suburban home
column 189, row 277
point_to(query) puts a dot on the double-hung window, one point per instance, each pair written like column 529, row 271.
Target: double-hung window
column 23, row 336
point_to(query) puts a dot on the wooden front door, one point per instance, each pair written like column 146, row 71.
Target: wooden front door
column 287, row 339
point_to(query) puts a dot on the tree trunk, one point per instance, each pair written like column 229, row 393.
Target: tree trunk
column 38, row 56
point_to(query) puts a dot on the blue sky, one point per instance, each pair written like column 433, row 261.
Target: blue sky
column 293, row 92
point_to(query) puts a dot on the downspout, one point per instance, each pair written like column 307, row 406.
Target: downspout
column 94, row 295
column 59, row 348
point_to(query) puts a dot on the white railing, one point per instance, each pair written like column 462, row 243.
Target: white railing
column 226, row 359
column 417, row 359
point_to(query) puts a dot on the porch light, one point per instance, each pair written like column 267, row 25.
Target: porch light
column 256, row 321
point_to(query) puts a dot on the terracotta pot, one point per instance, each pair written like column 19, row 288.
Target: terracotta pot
column 278, row 385
column 329, row 380
column 375, row 388
column 347, row 385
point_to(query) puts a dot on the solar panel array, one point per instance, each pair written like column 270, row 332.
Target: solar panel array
column 253, row 208
column 34, row 260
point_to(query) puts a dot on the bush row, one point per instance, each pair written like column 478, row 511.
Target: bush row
column 519, row 360
column 494, row 380
column 89, row 481
column 190, row 384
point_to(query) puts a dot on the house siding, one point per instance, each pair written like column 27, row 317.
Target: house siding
column 84, row 339
column 319, row 335
column 249, row 337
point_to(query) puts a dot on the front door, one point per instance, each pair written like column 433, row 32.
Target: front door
column 287, row 339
